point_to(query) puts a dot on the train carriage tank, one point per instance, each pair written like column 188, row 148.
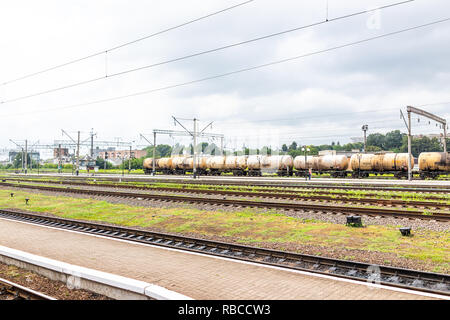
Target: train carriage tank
column 254, row 164
column 188, row 164
column 434, row 161
column 177, row 162
column 236, row 165
column 241, row 162
column 362, row 162
column 396, row 162
column 165, row 165
column 377, row 162
column 311, row 162
column 333, row 162
column 281, row 164
column 216, row 165
column 147, row 165
column 231, row 162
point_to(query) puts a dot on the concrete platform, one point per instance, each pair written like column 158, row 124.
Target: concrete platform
column 191, row 274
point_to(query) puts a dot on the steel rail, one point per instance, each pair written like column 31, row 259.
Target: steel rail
column 364, row 272
column 152, row 186
column 279, row 184
column 246, row 203
column 20, row 292
column 265, row 194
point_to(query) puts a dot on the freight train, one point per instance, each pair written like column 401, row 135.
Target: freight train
column 360, row 165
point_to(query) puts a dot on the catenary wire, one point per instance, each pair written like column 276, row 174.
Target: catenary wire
column 238, row 71
column 123, row 44
column 196, row 54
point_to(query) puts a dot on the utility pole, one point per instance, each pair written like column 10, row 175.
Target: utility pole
column 129, row 162
column 154, row 155
column 221, row 145
column 92, row 143
column 306, row 149
column 409, row 147
column 26, row 156
column 445, row 138
column 59, row 159
column 365, row 128
column 431, row 116
column 78, row 153
column 195, row 149
column 408, row 126
column 78, row 149
column 187, row 132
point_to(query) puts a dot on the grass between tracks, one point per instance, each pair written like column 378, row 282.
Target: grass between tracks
column 248, row 226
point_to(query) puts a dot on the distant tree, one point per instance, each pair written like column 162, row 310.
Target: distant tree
column 374, row 149
column 393, row 140
column 284, row 148
column 376, row 140
column 293, row 146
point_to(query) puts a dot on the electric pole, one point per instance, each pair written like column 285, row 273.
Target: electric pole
column 431, row 116
column 26, row 156
column 129, row 162
column 408, row 126
column 59, row 159
column 409, row 147
column 78, row 149
column 154, row 154
column 92, row 143
column 195, row 149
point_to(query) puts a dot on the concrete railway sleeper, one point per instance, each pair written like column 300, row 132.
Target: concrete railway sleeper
column 385, row 275
column 351, row 210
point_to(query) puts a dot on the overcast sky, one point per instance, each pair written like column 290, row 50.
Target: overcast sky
column 313, row 100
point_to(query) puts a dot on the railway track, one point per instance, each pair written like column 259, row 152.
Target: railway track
column 13, row 291
column 273, row 184
column 154, row 186
column 390, row 276
column 267, row 194
column 382, row 212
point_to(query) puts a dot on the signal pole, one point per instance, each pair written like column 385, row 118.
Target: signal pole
column 365, row 128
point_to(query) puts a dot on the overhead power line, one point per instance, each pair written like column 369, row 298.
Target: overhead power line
column 240, row 70
column 109, row 76
column 123, row 44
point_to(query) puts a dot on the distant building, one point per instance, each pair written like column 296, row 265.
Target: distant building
column 119, row 154
column 36, row 156
column 64, row 152
column 327, row 152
